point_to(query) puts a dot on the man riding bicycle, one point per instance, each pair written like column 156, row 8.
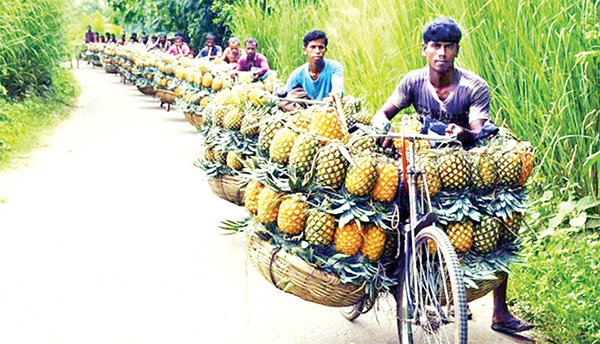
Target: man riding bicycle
column 457, row 101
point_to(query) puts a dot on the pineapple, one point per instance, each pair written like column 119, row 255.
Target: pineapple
column 303, row 154
column 249, row 124
column 281, row 145
column 461, row 235
column 219, row 156
column 207, row 80
column 410, row 125
column 292, row 215
column 349, row 238
column 234, row 160
column 485, row 235
column 232, row 119
column 527, row 162
column 320, row 227
column 361, row 176
column 484, row 169
column 331, row 166
column 362, row 144
column 509, row 231
column 326, row 123
column 251, row 193
column 301, row 119
column 373, row 242
column 386, row 185
column 391, row 246
column 364, row 116
column 266, row 134
column 218, row 115
column 454, row 169
column 427, row 163
column 508, row 163
column 268, row 205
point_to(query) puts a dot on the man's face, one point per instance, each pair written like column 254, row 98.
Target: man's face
column 235, row 47
column 178, row 41
column 210, row 43
column 315, row 50
column 250, row 49
column 440, row 55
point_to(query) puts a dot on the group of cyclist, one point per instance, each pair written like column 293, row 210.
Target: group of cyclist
column 455, row 98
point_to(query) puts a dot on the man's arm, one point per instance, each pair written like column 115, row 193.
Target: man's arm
column 337, row 79
column 264, row 64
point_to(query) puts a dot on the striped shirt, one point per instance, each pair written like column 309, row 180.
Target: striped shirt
column 468, row 101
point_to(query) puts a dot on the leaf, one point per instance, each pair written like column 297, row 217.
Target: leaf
column 546, row 196
column 579, row 221
column 586, row 203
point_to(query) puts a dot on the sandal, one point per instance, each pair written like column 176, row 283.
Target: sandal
column 512, row 327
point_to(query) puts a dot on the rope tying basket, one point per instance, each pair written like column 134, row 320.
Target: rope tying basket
column 229, row 188
column 295, row 276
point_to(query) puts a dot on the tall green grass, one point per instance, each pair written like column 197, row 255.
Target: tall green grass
column 535, row 54
column 32, row 44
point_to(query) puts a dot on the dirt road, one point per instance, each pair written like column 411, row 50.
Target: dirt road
column 109, row 235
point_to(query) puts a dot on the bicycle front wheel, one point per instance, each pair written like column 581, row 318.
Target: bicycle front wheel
column 432, row 306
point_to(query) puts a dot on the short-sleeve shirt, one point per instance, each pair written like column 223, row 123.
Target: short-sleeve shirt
column 211, row 51
column 468, row 102
column 331, row 76
column 260, row 63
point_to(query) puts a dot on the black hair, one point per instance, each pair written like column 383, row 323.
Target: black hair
column 251, row 40
column 313, row 35
column 441, row 30
column 210, row 36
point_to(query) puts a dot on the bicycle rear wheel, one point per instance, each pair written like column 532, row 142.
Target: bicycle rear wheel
column 435, row 286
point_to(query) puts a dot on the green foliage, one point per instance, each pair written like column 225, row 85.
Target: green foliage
column 22, row 123
column 557, row 288
column 539, row 57
column 192, row 18
column 32, row 44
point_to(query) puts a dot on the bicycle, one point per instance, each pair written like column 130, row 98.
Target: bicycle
column 430, row 296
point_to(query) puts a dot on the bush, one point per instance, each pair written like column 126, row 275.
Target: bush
column 32, row 45
column 22, row 123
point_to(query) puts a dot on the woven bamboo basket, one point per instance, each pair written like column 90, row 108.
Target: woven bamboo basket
column 229, row 188
column 159, row 92
column 197, row 119
column 147, row 90
column 485, row 287
column 167, row 97
column 188, row 116
column 111, row 69
column 300, row 278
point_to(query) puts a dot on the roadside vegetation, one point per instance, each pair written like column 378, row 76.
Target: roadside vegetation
column 541, row 59
column 36, row 92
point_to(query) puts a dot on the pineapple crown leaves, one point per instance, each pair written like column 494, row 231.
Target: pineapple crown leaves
column 214, row 169
column 477, row 267
column 243, row 225
column 453, row 206
column 503, row 202
column 268, row 173
column 349, row 208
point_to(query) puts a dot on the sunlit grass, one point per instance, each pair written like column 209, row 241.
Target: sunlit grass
column 532, row 54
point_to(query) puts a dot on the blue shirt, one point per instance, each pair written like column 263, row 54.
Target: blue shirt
column 331, row 76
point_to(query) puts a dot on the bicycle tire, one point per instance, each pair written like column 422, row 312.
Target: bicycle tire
column 436, row 278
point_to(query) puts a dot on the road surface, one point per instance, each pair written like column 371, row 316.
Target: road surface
column 108, row 234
